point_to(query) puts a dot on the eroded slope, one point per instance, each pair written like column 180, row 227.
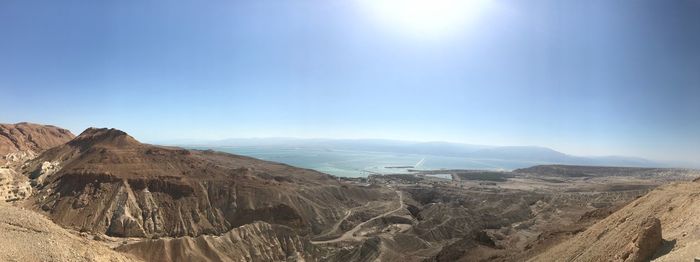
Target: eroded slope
column 257, row 241
column 22, row 140
column 19, row 143
column 104, row 181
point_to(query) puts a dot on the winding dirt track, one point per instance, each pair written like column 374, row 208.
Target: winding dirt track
column 350, row 234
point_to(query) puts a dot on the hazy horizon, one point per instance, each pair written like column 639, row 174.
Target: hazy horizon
column 584, row 78
column 263, row 141
column 191, row 141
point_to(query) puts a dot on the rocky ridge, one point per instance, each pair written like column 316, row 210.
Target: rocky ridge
column 23, row 141
column 19, row 143
column 105, row 181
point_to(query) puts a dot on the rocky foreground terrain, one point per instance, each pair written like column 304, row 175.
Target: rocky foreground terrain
column 123, row 200
column 29, row 236
column 663, row 225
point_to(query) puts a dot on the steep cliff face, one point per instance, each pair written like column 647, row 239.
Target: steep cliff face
column 105, row 181
column 257, row 241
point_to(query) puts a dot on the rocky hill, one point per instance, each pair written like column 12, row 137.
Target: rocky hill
column 663, row 225
column 105, row 181
column 22, row 140
column 19, row 143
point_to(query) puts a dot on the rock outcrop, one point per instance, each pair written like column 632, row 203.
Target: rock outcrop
column 646, row 243
column 634, row 233
column 12, row 186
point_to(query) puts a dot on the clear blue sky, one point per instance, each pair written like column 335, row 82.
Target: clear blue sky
column 596, row 77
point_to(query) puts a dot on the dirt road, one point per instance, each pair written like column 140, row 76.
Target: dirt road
column 350, row 234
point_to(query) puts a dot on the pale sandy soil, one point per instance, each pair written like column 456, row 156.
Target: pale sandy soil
column 28, row 236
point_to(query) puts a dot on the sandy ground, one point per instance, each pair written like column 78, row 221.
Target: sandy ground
column 28, row 236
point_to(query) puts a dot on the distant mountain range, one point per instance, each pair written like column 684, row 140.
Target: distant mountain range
column 533, row 154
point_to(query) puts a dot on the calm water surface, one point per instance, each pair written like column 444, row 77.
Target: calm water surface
column 348, row 163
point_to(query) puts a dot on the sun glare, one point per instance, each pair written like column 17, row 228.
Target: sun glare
column 426, row 18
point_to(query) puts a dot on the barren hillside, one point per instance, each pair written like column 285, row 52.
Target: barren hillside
column 663, row 225
column 104, row 181
column 29, row 139
column 258, row 241
column 28, row 236
column 106, row 189
column 19, row 143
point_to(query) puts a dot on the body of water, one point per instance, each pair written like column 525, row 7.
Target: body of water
column 348, row 163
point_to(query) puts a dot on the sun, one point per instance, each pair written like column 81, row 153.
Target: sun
column 426, row 18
